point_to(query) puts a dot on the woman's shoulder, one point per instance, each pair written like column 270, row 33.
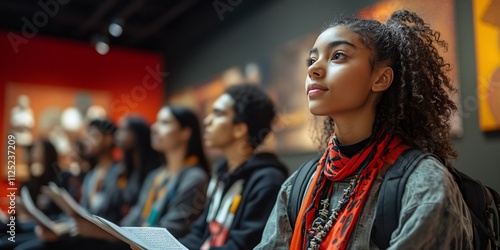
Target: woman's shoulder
column 153, row 173
column 430, row 170
column 431, row 182
column 191, row 177
column 266, row 178
column 156, row 171
column 194, row 172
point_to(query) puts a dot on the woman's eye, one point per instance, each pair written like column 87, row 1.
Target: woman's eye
column 338, row 56
column 310, row 61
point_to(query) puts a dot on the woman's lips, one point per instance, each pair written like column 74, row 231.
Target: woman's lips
column 315, row 89
column 314, row 92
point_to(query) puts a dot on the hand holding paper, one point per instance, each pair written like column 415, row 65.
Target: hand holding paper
column 88, row 229
column 26, row 204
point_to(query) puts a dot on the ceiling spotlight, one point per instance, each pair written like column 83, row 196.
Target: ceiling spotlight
column 116, row 27
column 101, row 44
column 102, row 48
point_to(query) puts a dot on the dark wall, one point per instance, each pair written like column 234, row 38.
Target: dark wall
column 280, row 21
column 258, row 35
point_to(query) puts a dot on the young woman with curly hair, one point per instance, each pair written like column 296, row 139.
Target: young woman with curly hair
column 384, row 89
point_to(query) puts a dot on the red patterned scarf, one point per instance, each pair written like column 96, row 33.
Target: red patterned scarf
column 333, row 167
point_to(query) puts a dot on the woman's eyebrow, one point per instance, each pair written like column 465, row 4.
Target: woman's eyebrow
column 334, row 44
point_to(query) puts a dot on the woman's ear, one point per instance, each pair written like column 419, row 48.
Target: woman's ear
column 384, row 80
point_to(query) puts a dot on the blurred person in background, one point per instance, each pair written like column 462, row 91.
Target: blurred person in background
column 44, row 168
column 173, row 195
column 133, row 138
column 100, row 184
column 244, row 187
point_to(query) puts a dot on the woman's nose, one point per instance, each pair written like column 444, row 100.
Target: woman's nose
column 316, row 70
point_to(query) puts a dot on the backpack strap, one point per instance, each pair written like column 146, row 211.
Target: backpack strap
column 495, row 213
column 391, row 194
column 481, row 202
column 471, row 192
column 299, row 186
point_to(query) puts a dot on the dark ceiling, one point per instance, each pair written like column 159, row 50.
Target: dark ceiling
column 165, row 26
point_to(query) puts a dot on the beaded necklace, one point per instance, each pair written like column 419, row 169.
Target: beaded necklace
column 325, row 219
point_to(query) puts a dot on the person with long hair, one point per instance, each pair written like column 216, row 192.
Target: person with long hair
column 173, row 195
column 133, row 138
column 43, row 168
column 384, row 89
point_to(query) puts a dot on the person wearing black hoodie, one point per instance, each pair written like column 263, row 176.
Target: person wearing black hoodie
column 245, row 185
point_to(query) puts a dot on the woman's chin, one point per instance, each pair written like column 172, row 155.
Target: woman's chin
column 317, row 111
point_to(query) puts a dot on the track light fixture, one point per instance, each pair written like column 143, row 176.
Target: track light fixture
column 116, row 27
column 101, row 44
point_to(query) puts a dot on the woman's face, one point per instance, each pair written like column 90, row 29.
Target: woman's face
column 339, row 76
column 165, row 132
column 37, row 153
column 124, row 137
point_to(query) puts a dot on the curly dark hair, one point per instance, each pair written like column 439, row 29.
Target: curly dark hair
column 253, row 107
column 417, row 106
column 104, row 125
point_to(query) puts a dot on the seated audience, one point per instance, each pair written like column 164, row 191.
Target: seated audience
column 98, row 188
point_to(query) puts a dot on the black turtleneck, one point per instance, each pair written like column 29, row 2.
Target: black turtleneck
column 351, row 150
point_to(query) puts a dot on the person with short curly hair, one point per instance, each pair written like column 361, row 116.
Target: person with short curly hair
column 384, row 89
column 245, row 184
column 253, row 108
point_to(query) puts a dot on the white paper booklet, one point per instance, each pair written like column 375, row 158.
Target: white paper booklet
column 150, row 238
column 65, row 201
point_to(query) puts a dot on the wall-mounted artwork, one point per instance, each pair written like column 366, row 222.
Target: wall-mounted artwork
column 487, row 36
